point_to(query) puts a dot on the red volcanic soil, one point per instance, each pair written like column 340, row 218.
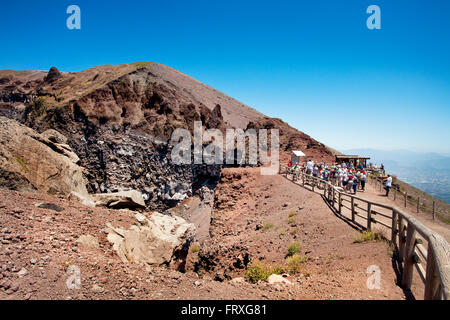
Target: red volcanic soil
column 37, row 245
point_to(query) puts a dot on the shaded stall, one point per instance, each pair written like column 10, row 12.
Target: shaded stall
column 353, row 159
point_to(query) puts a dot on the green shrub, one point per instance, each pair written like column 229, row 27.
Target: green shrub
column 267, row 226
column 277, row 270
column 295, row 263
column 257, row 272
column 291, row 220
column 294, row 248
column 195, row 248
column 292, row 213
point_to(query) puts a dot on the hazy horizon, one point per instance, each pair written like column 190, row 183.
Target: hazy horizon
column 427, row 171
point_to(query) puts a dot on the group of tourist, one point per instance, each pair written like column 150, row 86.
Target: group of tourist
column 344, row 175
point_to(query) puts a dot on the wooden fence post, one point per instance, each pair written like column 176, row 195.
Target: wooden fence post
column 434, row 209
column 333, row 200
column 340, row 203
column 408, row 263
column 418, row 204
column 401, row 238
column 432, row 279
column 394, row 227
column 353, row 209
column 406, row 196
column 369, row 216
column 395, row 193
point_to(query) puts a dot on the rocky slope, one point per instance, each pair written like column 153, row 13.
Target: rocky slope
column 41, row 248
column 119, row 119
column 38, row 162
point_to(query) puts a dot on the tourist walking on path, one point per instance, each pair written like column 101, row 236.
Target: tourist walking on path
column 349, row 185
column 309, row 167
column 355, row 184
column 315, row 171
column 388, row 185
column 363, row 181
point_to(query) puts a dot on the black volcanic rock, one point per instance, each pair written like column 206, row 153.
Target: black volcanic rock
column 52, row 75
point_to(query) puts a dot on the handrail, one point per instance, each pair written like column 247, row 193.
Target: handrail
column 423, row 204
column 404, row 227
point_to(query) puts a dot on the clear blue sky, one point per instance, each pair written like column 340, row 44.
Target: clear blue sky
column 312, row 63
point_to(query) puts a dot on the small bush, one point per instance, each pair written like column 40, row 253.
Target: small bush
column 294, row 248
column 367, row 236
column 261, row 272
column 257, row 272
column 292, row 213
column 277, row 270
column 295, row 263
column 195, row 248
column 291, row 220
column 267, row 226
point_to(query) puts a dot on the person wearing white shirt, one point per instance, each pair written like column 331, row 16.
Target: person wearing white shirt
column 363, row 181
column 388, row 184
column 309, row 166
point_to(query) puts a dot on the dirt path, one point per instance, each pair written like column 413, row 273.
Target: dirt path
column 385, row 217
column 253, row 211
column 373, row 194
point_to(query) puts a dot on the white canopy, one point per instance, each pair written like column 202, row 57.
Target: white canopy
column 299, row 153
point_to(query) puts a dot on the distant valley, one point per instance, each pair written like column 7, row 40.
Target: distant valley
column 425, row 170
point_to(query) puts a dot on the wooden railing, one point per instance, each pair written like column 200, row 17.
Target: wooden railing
column 416, row 245
column 396, row 194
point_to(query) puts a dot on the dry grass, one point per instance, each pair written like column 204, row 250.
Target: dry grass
column 294, row 248
column 267, row 226
column 368, row 235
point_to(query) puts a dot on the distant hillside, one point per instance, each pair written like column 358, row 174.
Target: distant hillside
column 427, row 171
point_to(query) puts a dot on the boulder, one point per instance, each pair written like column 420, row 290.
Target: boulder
column 53, row 75
column 118, row 200
column 54, row 136
column 276, row 278
column 156, row 240
column 49, row 206
column 83, row 199
column 29, row 161
column 237, row 280
column 88, row 241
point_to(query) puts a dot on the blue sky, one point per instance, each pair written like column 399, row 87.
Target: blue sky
column 312, row 63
